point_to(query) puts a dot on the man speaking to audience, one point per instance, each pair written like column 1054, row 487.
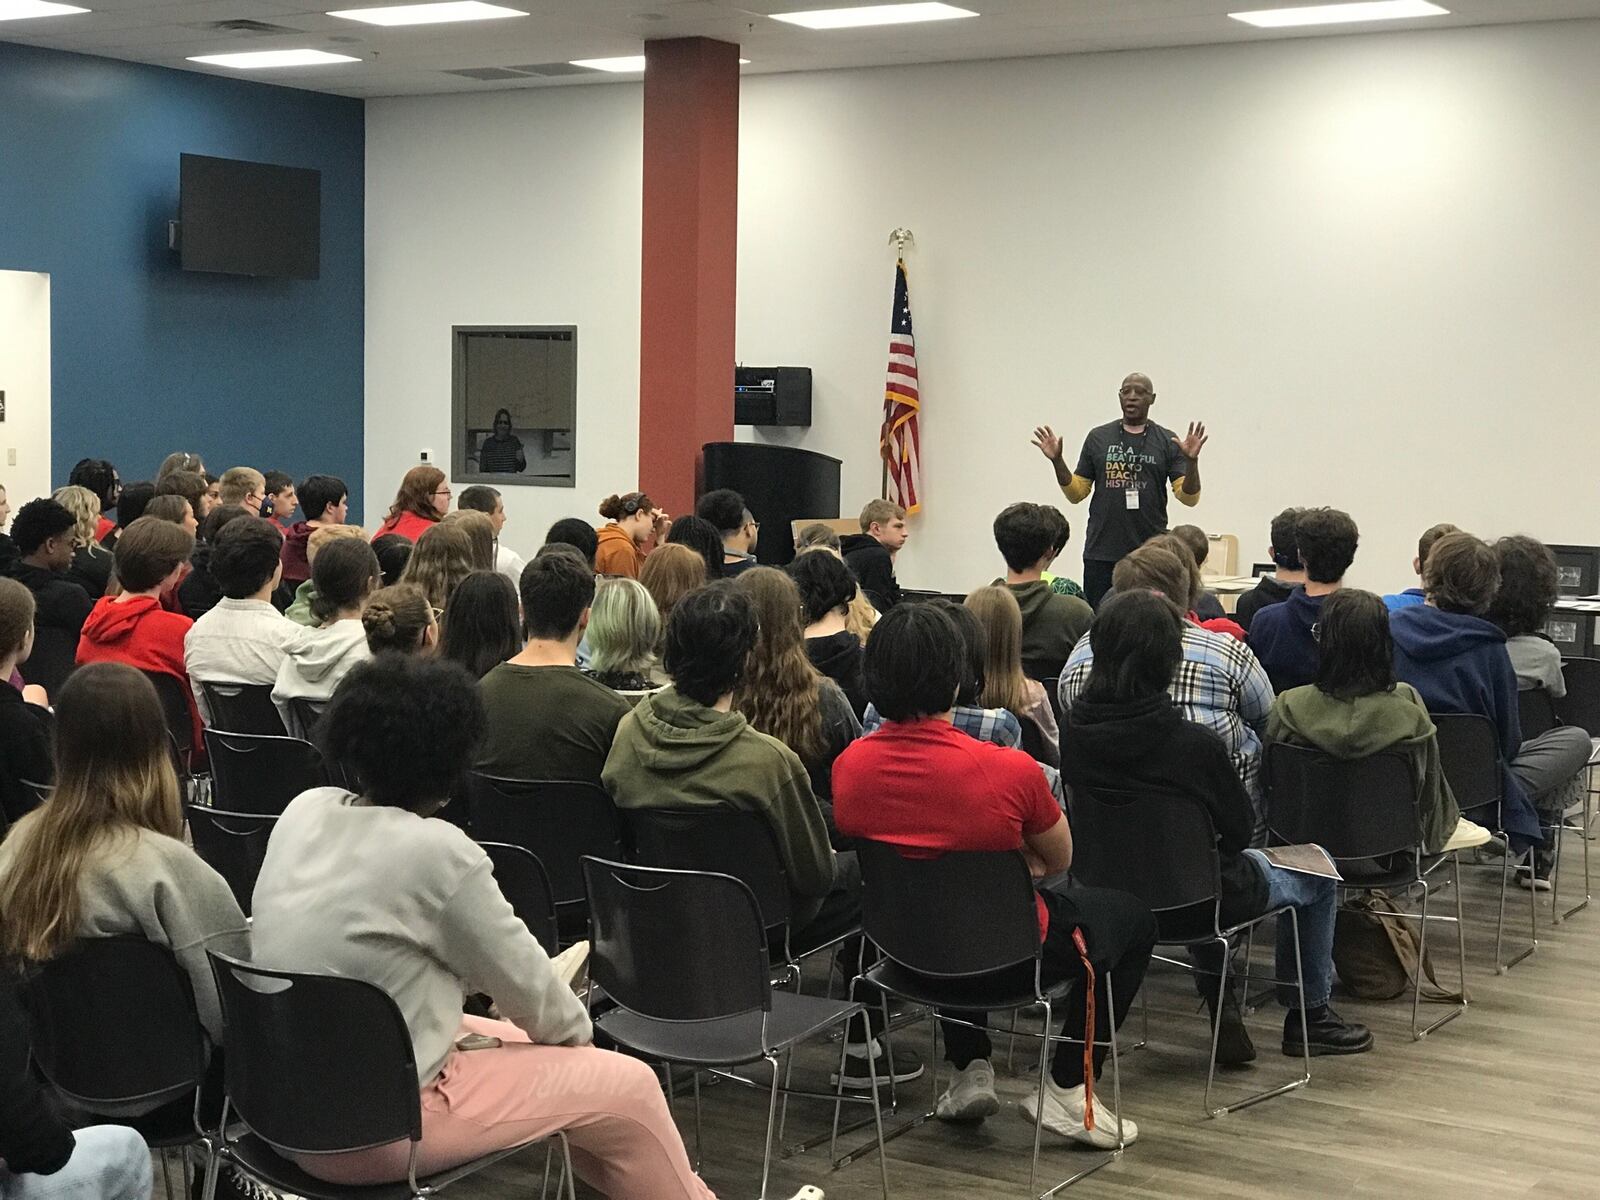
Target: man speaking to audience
column 1126, row 464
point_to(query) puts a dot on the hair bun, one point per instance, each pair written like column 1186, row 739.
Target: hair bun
column 611, row 507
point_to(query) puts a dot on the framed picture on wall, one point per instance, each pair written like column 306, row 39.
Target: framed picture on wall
column 514, row 405
column 1577, row 570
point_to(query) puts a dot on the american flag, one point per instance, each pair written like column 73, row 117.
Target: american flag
column 899, row 441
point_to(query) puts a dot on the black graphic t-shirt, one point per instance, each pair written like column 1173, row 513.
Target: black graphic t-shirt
column 1121, row 463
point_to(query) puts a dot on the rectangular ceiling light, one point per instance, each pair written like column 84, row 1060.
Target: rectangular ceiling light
column 261, row 59
column 874, row 14
column 22, row 10
column 429, row 14
column 1340, row 14
column 617, row 66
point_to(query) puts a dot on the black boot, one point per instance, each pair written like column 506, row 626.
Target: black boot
column 1329, row 1033
column 1234, row 1047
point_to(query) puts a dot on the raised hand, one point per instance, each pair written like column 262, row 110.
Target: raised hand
column 1048, row 441
column 1192, row 444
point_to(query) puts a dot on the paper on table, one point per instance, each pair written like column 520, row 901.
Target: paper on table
column 1307, row 860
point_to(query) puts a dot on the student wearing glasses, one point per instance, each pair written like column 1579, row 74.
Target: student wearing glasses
column 423, row 498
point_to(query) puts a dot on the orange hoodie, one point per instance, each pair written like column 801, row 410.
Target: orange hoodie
column 616, row 553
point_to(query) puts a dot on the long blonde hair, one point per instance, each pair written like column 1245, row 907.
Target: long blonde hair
column 1004, row 684
column 780, row 691
column 113, row 777
column 442, row 559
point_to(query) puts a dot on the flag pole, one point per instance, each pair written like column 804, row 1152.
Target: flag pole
column 899, row 238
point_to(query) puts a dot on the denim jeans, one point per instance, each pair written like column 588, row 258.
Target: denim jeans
column 1314, row 899
column 108, row 1163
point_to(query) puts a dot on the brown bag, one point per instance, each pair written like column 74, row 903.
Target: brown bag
column 1375, row 952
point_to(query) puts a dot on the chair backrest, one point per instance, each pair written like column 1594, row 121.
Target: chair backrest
column 559, row 820
column 1469, row 754
column 316, row 1063
column 1581, row 705
column 1052, row 688
column 233, row 844
column 1352, row 808
column 175, row 708
column 113, row 1023
column 242, row 707
column 1033, row 743
column 720, row 840
column 305, row 714
column 963, row 913
column 54, row 658
column 675, row 945
column 1537, row 710
column 526, row 887
column 1159, row 846
column 261, row 773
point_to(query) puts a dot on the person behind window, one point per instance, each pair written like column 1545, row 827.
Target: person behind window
column 501, row 452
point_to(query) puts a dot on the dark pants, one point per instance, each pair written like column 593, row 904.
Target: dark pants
column 1120, row 933
column 1096, row 580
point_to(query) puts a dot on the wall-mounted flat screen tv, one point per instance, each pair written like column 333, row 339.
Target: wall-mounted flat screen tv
column 247, row 218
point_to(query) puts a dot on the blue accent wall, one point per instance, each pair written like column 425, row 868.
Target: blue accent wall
column 148, row 358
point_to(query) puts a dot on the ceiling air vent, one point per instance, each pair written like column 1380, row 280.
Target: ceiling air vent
column 549, row 69
column 243, row 25
column 487, row 73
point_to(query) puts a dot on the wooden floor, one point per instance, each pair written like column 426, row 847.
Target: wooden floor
column 1504, row 1101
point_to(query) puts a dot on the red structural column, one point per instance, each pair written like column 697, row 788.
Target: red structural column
column 691, row 167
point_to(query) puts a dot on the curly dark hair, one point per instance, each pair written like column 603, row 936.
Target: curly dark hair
column 38, row 521
column 375, row 729
column 724, row 508
column 709, row 638
column 1327, row 539
column 100, row 477
column 1528, row 587
column 1461, row 575
column 701, row 536
column 912, row 666
column 1286, row 539
column 824, row 581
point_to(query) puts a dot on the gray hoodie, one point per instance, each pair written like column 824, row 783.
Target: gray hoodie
column 313, row 670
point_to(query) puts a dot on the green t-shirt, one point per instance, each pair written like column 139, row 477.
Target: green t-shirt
column 547, row 723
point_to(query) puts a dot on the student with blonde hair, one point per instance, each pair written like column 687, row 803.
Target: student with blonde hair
column 242, row 487
column 1004, row 684
column 444, row 556
column 91, row 563
column 25, row 721
column 479, row 528
column 670, row 574
column 302, row 610
column 870, row 554
column 623, row 633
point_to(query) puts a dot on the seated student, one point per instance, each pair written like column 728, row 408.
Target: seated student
column 547, row 720
column 671, row 573
column 574, row 532
column 1416, row 595
column 301, row 609
column 25, row 720
column 826, row 590
column 479, row 528
column 1356, row 709
column 482, row 628
column 106, row 855
column 101, row 479
column 1218, row 683
column 243, row 639
column 1284, row 636
column 130, row 507
column 1182, row 551
column 423, row 498
column 702, row 537
column 244, row 487
column 91, row 562
column 177, row 509
column 926, row 789
column 1285, row 555
column 725, row 510
column 326, row 501
column 43, row 532
column 1522, row 604
column 281, row 500
column 1004, row 684
column 624, row 633
column 1457, row 660
column 1207, row 605
column 393, row 552
column 781, row 693
column 870, row 554
column 370, row 887
column 685, row 748
column 132, row 627
column 1051, row 623
column 180, row 460
column 480, row 497
column 862, row 616
column 1125, row 734
column 444, row 555
column 632, row 520
column 200, row 592
column 398, row 618
column 1063, row 534
column 192, row 487
column 346, row 576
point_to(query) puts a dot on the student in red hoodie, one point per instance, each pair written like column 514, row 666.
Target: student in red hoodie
column 133, row 628
column 423, row 498
column 326, row 501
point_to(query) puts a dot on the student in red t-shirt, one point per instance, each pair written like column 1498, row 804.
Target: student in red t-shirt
column 923, row 786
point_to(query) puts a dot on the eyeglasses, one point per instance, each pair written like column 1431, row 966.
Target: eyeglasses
column 1316, row 632
column 442, row 492
column 438, row 615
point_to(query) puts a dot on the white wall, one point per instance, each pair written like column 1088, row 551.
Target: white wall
column 25, row 380
column 1370, row 264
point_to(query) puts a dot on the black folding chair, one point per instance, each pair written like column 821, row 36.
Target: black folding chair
column 1581, row 707
column 560, row 821
column 115, row 1030
column 1469, row 755
column 1033, row 743
column 1537, row 710
column 960, row 933
column 683, row 954
column 241, row 707
column 174, row 698
column 1163, row 849
column 305, row 715
column 321, row 1064
column 1364, row 813
column 233, row 844
column 1051, row 690
column 54, row 658
column 526, row 887
column 261, row 773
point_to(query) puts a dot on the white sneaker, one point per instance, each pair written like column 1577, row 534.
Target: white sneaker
column 1468, row 835
column 808, row 1193
column 970, row 1096
column 1063, row 1114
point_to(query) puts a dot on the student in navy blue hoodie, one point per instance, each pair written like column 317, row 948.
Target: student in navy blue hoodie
column 1284, row 636
column 1457, row 661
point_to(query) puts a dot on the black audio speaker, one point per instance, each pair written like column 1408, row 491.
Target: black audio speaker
column 772, row 395
column 780, row 485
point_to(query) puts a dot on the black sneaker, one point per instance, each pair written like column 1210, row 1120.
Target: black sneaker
column 858, row 1076
column 1329, row 1033
column 1234, row 1047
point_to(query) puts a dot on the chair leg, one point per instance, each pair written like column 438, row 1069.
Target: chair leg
column 783, row 1108
column 1038, row 1108
column 697, row 1112
column 166, row 1171
column 1555, row 872
column 567, row 1172
column 1216, row 1025
column 1422, row 957
column 1300, row 993
column 877, row 1114
column 772, row 1121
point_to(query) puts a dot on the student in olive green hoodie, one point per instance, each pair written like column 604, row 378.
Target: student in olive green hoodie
column 1029, row 537
column 1355, row 709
